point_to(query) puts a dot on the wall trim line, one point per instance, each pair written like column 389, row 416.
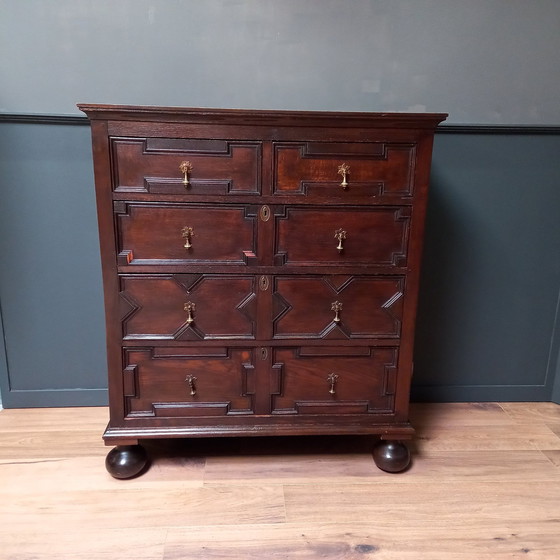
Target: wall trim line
column 44, row 118
column 24, row 118
column 497, row 129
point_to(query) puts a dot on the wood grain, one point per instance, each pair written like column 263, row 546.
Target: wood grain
column 484, row 484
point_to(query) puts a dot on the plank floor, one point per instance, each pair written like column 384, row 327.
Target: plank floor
column 484, row 484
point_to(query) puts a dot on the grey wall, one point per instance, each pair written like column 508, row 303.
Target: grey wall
column 488, row 326
column 483, row 61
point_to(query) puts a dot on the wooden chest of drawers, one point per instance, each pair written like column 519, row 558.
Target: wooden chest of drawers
column 260, row 272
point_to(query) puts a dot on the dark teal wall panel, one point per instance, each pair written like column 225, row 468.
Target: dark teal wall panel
column 50, row 281
column 490, row 286
column 491, row 271
column 3, row 362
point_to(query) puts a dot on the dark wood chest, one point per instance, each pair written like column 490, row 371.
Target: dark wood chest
column 260, row 271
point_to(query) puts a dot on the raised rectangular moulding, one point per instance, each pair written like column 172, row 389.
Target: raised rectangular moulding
column 189, row 167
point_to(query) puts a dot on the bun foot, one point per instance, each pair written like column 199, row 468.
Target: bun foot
column 126, row 461
column 391, row 456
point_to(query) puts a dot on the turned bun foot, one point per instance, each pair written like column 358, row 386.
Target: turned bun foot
column 126, row 461
column 391, row 456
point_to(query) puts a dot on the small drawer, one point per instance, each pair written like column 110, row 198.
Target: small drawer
column 337, row 307
column 334, row 380
column 192, row 167
column 188, row 382
column 374, row 236
column 344, row 170
column 177, row 233
column 188, row 307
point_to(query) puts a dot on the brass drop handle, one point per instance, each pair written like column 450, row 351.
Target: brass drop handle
column 344, row 170
column 188, row 233
column 189, row 307
column 191, row 381
column 340, row 234
column 336, row 307
column 332, row 379
column 185, row 168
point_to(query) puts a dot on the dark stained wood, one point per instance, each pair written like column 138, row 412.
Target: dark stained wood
column 217, row 166
column 374, row 236
column 368, row 306
column 374, row 168
column 153, row 307
column 363, row 382
column 191, row 382
column 270, row 321
column 154, row 234
column 126, row 461
column 391, row 456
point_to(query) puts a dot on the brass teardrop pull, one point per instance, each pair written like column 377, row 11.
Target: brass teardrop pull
column 190, row 379
column 337, row 308
column 188, row 233
column 344, row 170
column 340, row 234
column 332, row 379
column 189, row 307
column 185, row 168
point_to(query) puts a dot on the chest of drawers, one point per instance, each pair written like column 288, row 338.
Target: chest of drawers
column 260, row 271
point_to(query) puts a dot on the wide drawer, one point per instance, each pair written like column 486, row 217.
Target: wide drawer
column 334, row 380
column 188, row 166
column 177, row 233
column 311, row 236
column 188, row 382
column 363, row 170
column 337, row 307
column 188, row 307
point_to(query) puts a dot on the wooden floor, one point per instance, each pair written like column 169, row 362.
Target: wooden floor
column 483, row 485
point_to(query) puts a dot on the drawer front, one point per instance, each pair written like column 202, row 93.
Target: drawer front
column 188, row 307
column 334, row 380
column 337, row 307
column 156, row 234
column 188, row 382
column 192, row 167
column 376, row 236
column 356, row 170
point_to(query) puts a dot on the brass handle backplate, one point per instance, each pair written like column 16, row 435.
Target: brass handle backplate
column 190, row 379
column 344, row 170
column 188, row 233
column 332, row 379
column 337, row 308
column 340, row 234
column 189, row 307
column 185, row 168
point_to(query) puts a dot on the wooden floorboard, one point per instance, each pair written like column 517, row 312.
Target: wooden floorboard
column 484, row 484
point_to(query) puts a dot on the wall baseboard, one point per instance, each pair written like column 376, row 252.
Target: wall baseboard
column 479, row 393
column 55, row 398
